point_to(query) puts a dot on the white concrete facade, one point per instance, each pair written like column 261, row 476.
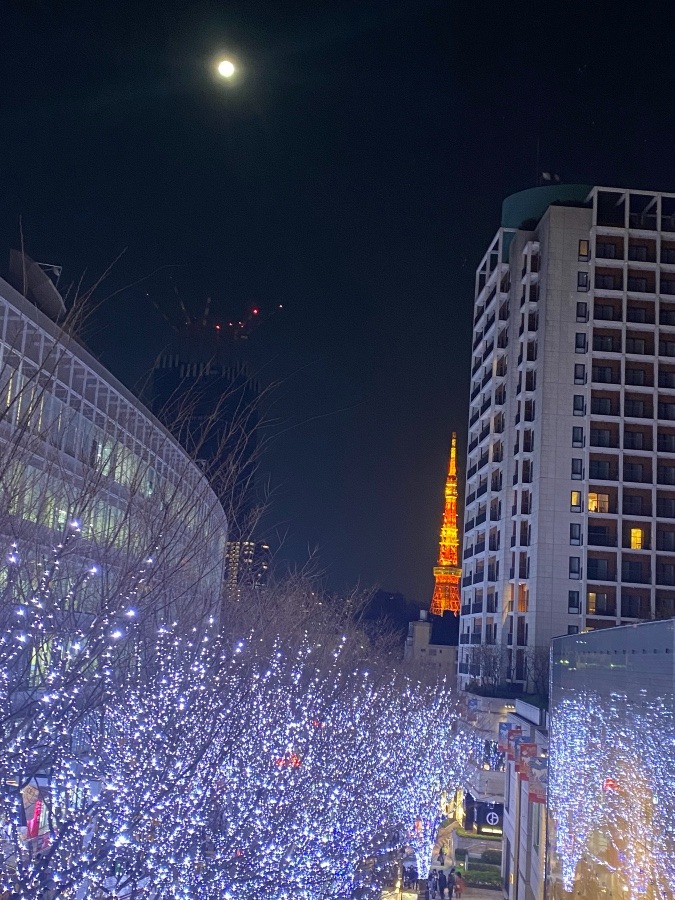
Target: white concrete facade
column 419, row 649
column 570, row 489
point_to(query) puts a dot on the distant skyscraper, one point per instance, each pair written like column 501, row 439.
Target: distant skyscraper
column 247, row 564
column 447, row 573
column 209, row 401
column 570, row 487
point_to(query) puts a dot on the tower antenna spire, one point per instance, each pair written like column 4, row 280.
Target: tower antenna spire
column 447, row 573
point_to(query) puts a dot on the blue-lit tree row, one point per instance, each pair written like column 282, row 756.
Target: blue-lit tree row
column 283, row 759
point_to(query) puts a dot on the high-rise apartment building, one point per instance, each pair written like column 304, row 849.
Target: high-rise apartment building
column 570, row 488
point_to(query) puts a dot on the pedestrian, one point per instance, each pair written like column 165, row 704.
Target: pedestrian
column 451, row 882
column 442, row 882
column 460, row 884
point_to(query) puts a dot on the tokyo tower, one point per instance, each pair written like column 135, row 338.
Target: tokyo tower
column 447, row 573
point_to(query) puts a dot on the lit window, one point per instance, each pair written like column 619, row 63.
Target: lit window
column 636, row 538
column 591, row 603
column 575, row 501
column 598, row 503
column 584, row 251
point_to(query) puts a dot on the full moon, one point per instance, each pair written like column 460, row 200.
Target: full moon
column 226, row 68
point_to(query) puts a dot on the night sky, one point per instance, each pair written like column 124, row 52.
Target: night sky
column 354, row 173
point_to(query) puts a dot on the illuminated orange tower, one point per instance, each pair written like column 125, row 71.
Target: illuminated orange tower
column 447, row 573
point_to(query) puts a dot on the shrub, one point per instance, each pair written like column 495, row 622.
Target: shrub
column 493, row 857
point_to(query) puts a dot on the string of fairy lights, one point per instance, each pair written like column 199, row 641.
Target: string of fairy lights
column 610, row 791
column 182, row 765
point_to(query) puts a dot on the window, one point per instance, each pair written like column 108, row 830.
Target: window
column 604, row 374
column 600, row 604
column 584, row 251
column 665, row 573
column 573, row 603
column 575, row 567
column 635, row 376
column 599, row 468
column 636, row 314
column 605, row 282
column 637, row 284
column 633, row 505
column 635, row 345
column 598, row 502
column 573, row 629
column 667, row 348
column 634, row 408
column 634, row 472
column 665, row 474
column 578, row 469
column 598, row 569
column 601, row 437
column 638, row 252
column 631, row 570
column 605, row 343
column 582, row 281
column 606, row 251
column 575, row 501
column 582, row 311
column 575, row 534
column 634, row 440
column 580, row 342
column 601, row 406
column 577, row 436
column 604, row 311
column 579, row 405
column 599, row 535
column 636, row 538
column 580, row 373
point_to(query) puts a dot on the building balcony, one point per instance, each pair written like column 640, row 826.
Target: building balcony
column 485, row 785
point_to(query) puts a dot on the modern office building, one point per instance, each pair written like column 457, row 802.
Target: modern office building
column 570, row 487
column 611, row 759
column 80, row 454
